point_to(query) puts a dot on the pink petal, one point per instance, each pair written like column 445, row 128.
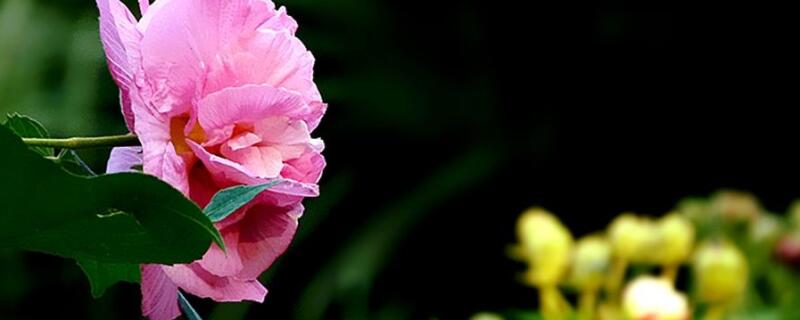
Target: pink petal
column 124, row 159
column 243, row 141
column 262, row 162
column 201, row 186
column 220, row 111
column 195, row 280
column 121, row 43
column 227, row 173
column 159, row 294
column 143, row 6
column 224, row 172
column 159, row 156
column 224, row 263
column 181, row 38
column 307, row 168
column 265, row 233
column 280, row 21
column 281, row 130
column 271, row 58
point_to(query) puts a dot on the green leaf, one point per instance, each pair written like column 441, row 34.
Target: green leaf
column 103, row 275
column 227, row 201
column 120, row 218
column 187, row 308
column 27, row 127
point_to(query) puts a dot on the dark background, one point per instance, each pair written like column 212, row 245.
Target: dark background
column 447, row 119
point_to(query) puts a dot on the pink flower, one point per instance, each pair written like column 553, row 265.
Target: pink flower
column 220, row 93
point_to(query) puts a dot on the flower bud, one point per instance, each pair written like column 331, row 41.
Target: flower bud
column 545, row 244
column 590, row 263
column 765, row 229
column 676, row 239
column 650, row 298
column 787, row 250
column 695, row 209
column 720, row 272
column 735, row 205
column 633, row 238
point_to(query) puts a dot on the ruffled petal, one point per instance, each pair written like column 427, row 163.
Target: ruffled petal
column 195, row 280
column 159, row 294
column 224, row 263
column 182, row 38
column 227, row 173
column 220, row 111
column 271, row 58
column 265, row 234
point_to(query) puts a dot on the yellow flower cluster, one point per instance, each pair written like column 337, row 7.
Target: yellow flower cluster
column 596, row 266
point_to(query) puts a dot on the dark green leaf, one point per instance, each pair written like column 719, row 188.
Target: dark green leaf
column 229, row 200
column 103, row 275
column 121, row 218
column 27, row 127
column 187, row 308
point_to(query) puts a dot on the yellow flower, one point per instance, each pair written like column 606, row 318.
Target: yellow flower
column 720, row 271
column 545, row 244
column 590, row 263
column 650, row 298
column 633, row 238
column 676, row 239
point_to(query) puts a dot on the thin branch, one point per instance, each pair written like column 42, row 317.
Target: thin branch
column 85, row 142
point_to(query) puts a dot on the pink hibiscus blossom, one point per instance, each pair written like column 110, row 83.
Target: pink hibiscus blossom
column 220, row 93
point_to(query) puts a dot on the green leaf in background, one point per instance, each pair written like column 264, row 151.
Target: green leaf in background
column 104, row 275
column 227, row 201
column 27, row 127
column 120, row 218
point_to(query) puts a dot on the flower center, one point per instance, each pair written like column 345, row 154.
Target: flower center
column 177, row 131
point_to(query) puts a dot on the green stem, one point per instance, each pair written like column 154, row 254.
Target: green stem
column 616, row 279
column 586, row 304
column 552, row 303
column 84, row 142
column 715, row 312
column 670, row 273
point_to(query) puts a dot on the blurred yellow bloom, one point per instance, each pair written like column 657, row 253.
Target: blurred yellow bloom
column 633, row 238
column 590, row 263
column 721, row 272
column 677, row 239
column 650, row 298
column 545, row 244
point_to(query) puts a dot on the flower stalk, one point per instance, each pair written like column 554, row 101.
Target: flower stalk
column 84, row 142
